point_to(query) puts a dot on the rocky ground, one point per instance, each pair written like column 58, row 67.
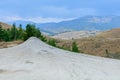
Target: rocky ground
column 9, row 44
column 35, row 60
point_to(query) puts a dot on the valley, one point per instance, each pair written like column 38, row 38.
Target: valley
column 98, row 43
column 105, row 44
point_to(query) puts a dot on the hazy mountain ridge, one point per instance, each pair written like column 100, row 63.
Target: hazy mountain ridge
column 83, row 23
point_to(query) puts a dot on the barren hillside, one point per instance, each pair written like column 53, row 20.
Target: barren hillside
column 5, row 26
column 10, row 44
column 106, row 44
column 76, row 35
column 114, row 33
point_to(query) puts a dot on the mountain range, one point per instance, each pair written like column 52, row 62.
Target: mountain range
column 83, row 23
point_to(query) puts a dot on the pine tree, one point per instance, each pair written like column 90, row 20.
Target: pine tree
column 38, row 33
column 31, row 30
column 43, row 38
column 21, row 32
column 52, row 42
column 14, row 32
column 7, row 35
column 1, row 33
column 74, row 47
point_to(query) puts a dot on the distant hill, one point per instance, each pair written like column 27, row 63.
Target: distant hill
column 114, row 33
column 5, row 26
column 105, row 44
column 76, row 35
column 82, row 23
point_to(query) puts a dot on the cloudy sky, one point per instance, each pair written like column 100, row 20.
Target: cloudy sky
column 56, row 10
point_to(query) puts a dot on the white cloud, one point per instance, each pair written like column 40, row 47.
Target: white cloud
column 44, row 20
column 33, row 19
column 49, row 14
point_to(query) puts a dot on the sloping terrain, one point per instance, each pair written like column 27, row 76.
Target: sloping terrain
column 35, row 60
column 113, row 33
column 104, row 44
column 76, row 35
column 5, row 26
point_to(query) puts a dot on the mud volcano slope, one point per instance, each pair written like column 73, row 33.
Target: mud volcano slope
column 35, row 60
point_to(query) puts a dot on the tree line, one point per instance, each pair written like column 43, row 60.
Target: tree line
column 18, row 33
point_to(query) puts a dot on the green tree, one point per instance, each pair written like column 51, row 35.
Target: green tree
column 7, row 35
column 14, row 32
column 43, row 38
column 31, row 30
column 1, row 33
column 52, row 42
column 4, row 34
column 74, row 47
column 21, row 32
column 37, row 32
